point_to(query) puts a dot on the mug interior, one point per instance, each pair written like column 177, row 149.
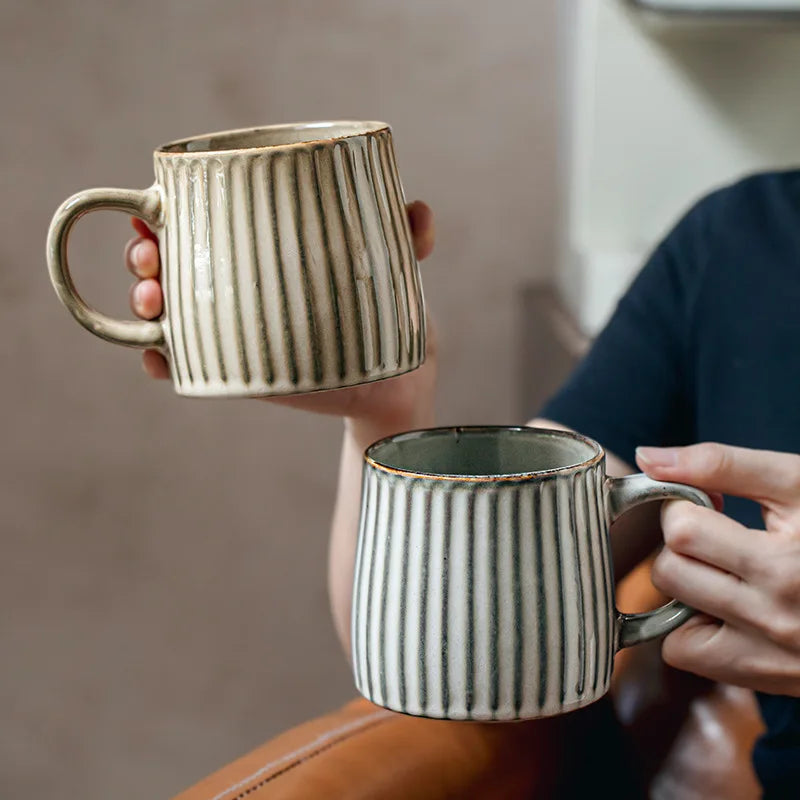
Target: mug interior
column 271, row 136
column 483, row 452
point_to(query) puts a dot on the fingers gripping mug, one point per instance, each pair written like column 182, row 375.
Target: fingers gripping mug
column 286, row 255
column 483, row 581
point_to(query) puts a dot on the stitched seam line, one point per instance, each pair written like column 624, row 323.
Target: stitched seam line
column 312, row 749
column 302, row 760
column 289, row 767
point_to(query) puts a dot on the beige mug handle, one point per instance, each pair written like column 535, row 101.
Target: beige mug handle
column 623, row 494
column 145, row 204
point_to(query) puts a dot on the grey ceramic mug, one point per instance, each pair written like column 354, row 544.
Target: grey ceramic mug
column 287, row 260
column 483, row 580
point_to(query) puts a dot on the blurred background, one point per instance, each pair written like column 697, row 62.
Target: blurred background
column 163, row 573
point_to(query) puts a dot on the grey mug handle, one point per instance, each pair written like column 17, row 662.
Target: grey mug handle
column 623, row 494
column 145, row 204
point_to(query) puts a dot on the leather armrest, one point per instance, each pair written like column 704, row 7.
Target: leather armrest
column 362, row 751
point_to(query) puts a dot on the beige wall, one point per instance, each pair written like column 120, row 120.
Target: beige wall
column 162, row 586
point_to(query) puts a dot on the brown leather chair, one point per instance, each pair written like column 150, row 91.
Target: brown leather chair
column 664, row 735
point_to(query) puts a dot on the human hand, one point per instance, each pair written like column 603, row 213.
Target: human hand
column 745, row 582
column 384, row 404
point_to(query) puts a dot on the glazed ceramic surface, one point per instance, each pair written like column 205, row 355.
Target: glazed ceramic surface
column 287, row 261
column 483, row 580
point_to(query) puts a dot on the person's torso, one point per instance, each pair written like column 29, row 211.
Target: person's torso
column 744, row 359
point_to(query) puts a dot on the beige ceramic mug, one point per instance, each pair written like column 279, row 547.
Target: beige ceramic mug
column 287, row 260
column 483, row 585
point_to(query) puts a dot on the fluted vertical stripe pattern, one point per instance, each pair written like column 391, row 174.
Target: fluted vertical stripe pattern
column 487, row 600
column 289, row 269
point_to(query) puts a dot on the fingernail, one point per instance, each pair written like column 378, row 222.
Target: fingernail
column 136, row 254
column 137, row 296
column 657, row 456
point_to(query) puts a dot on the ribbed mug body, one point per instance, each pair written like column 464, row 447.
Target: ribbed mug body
column 288, row 267
column 484, row 598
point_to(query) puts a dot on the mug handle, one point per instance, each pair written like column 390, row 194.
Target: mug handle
column 145, row 204
column 623, row 494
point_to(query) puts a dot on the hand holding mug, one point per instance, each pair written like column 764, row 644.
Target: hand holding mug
column 287, row 262
column 377, row 402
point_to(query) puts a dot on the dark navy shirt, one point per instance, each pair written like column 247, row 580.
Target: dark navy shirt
column 705, row 346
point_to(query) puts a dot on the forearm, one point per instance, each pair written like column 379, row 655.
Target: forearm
column 358, row 435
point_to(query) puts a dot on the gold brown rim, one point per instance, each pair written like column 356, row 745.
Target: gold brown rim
column 516, row 476
column 367, row 128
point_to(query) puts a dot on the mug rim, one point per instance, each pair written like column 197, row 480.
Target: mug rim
column 178, row 147
column 425, row 433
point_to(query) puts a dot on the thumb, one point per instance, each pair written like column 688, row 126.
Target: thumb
column 423, row 231
column 761, row 475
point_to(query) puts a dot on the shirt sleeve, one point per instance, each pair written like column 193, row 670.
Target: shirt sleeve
column 635, row 385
